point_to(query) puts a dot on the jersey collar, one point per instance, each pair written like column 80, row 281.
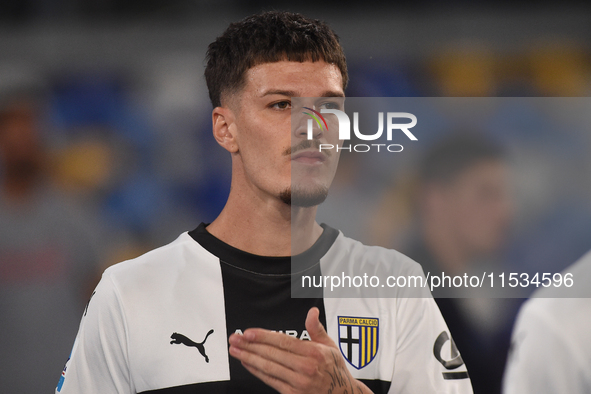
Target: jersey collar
column 266, row 265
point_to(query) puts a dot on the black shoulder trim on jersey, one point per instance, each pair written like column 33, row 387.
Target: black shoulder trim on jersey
column 264, row 264
column 248, row 387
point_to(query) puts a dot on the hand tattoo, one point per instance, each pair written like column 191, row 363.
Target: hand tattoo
column 339, row 377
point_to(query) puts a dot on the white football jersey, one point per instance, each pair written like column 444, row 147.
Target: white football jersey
column 551, row 341
column 160, row 323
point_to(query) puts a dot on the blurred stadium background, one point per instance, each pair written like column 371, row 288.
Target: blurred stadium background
column 111, row 103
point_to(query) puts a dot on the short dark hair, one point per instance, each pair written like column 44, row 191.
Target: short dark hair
column 456, row 153
column 267, row 38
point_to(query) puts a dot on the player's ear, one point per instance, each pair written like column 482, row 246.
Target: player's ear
column 224, row 128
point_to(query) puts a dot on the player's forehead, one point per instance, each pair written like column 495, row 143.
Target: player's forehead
column 294, row 79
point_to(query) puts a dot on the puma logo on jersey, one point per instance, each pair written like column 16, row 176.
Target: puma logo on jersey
column 180, row 338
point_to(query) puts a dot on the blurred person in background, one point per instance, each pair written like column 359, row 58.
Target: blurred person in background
column 48, row 256
column 551, row 343
column 464, row 212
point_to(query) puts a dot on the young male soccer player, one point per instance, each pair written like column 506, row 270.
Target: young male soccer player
column 213, row 311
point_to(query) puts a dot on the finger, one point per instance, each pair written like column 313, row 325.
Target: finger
column 316, row 329
column 264, row 365
column 288, row 359
column 278, row 340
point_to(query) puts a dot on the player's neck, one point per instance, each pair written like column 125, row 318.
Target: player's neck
column 266, row 228
column 445, row 248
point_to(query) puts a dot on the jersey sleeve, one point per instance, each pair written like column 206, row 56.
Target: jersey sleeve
column 99, row 360
column 427, row 359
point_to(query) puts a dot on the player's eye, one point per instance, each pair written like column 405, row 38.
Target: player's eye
column 330, row 105
column 281, row 105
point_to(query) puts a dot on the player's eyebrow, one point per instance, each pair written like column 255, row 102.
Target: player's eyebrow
column 288, row 93
column 330, row 93
column 292, row 93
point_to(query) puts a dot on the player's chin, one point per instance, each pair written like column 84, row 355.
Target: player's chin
column 304, row 197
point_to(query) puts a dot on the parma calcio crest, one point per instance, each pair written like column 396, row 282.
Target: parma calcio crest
column 359, row 339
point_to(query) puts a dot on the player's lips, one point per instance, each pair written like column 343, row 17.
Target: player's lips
column 309, row 157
